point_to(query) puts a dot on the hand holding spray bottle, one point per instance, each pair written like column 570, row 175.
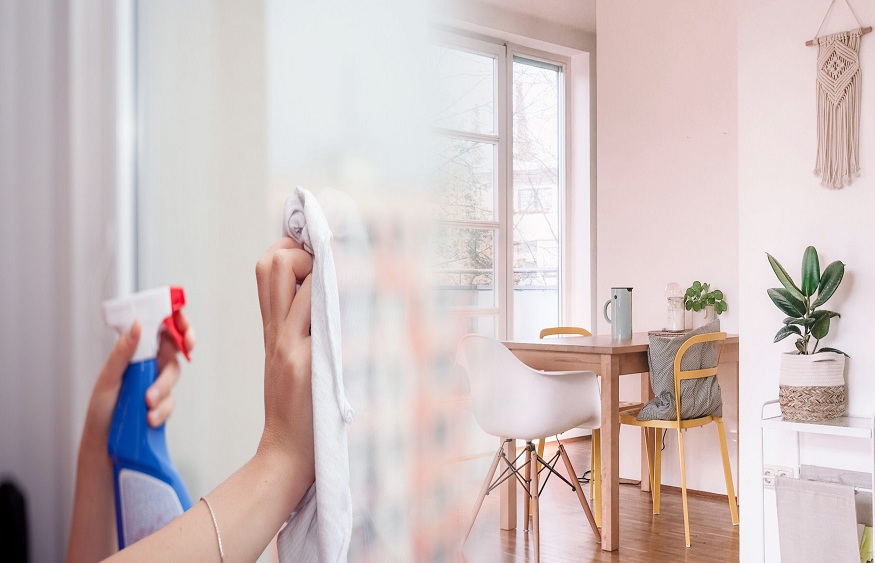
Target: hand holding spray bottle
column 149, row 491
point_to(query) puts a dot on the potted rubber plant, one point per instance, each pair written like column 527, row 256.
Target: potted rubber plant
column 812, row 382
column 704, row 302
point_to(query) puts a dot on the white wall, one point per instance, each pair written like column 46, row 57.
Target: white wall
column 57, row 249
column 783, row 210
column 667, row 190
column 533, row 31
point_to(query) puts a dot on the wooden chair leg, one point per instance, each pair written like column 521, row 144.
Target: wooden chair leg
column 533, row 493
column 595, row 482
column 647, row 448
column 727, row 471
column 483, row 491
column 656, row 485
column 684, row 486
column 528, row 477
column 572, row 476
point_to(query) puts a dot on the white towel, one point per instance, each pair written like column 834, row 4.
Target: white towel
column 320, row 527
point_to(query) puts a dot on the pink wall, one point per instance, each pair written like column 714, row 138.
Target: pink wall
column 783, row 211
column 667, row 176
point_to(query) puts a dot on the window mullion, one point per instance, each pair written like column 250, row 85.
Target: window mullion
column 505, row 204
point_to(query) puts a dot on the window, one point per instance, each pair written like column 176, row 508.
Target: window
column 499, row 116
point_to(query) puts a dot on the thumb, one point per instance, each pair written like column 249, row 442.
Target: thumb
column 120, row 356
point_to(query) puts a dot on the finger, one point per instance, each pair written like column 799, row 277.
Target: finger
column 162, row 412
column 166, row 350
column 262, row 275
column 184, row 326
column 181, row 321
column 121, row 354
column 282, row 285
column 299, row 315
column 163, row 384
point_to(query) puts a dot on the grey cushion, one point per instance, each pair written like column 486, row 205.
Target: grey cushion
column 699, row 397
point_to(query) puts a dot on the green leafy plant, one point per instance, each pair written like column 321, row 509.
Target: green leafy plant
column 805, row 320
column 700, row 295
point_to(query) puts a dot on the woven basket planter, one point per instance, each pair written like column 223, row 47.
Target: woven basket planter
column 812, row 387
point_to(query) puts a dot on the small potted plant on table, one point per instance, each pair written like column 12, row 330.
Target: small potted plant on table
column 812, row 380
column 704, row 302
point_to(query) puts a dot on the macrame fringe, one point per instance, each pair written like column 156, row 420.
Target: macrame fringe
column 838, row 109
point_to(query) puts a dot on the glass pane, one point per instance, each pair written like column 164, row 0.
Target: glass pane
column 536, row 218
column 465, row 180
column 465, row 267
column 465, row 91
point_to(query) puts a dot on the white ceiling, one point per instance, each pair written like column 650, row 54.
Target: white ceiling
column 574, row 13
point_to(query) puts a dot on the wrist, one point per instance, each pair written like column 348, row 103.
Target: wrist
column 282, row 464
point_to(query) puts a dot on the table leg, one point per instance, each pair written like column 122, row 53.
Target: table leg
column 610, row 437
column 507, row 492
column 646, row 435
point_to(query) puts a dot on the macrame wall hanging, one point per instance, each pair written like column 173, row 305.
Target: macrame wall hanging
column 838, row 103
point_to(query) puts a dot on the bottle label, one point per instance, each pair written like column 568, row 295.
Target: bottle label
column 147, row 504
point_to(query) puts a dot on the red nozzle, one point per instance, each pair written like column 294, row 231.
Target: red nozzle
column 171, row 323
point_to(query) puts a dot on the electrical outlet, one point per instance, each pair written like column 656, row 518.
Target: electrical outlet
column 772, row 472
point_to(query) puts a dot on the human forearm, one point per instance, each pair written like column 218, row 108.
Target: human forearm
column 92, row 533
column 250, row 507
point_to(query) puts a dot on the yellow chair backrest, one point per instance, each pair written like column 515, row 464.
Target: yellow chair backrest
column 680, row 375
column 564, row 330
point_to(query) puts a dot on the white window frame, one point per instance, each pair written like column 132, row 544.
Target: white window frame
column 563, row 174
column 504, row 54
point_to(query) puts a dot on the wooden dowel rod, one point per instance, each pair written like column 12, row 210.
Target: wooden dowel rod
column 863, row 31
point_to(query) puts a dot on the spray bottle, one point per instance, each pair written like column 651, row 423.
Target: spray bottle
column 149, row 492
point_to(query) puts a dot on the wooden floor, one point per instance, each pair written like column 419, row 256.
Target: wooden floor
column 644, row 537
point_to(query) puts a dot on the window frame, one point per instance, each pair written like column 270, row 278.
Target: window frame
column 504, row 53
column 563, row 173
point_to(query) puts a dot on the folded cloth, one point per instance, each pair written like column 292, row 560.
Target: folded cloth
column 320, row 527
column 699, row 397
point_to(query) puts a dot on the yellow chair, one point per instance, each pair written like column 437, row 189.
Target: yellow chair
column 655, row 460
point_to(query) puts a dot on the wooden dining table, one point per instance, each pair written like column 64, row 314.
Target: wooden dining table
column 610, row 359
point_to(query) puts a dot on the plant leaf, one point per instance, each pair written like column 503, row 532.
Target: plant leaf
column 688, row 305
column 718, row 294
column 784, row 278
column 785, row 301
column 818, row 314
column 810, row 271
column 800, row 345
column 801, row 322
column 829, row 282
column 835, row 350
column 820, row 328
column 786, row 331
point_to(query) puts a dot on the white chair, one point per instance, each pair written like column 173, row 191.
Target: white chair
column 514, row 401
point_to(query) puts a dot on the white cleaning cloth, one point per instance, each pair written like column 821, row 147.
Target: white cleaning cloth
column 320, row 527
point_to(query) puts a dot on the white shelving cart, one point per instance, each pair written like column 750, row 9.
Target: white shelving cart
column 846, row 426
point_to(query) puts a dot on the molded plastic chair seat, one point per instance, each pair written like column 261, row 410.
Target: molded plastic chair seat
column 511, row 400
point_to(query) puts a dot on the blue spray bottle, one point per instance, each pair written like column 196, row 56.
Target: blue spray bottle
column 149, row 492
